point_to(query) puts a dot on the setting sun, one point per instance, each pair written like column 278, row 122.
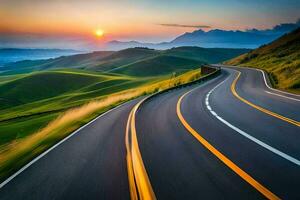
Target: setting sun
column 99, row 33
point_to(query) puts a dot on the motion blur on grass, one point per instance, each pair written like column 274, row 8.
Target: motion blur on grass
column 41, row 102
column 15, row 153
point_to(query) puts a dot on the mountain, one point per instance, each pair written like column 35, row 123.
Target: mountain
column 8, row 55
column 281, row 59
column 222, row 38
column 252, row 38
column 117, row 45
column 129, row 60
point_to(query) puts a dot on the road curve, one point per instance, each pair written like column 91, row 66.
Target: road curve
column 196, row 142
column 263, row 146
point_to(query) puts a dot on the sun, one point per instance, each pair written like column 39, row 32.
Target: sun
column 99, row 33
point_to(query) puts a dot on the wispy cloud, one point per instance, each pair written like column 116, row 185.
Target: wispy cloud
column 186, row 25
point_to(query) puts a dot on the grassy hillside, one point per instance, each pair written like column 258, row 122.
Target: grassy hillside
column 44, row 85
column 159, row 65
column 123, row 57
column 45, row 91
column 281, row 59
column 30, row 100
column 29, row 129
column 56, row 96
column 108, row 61
column 207, row 55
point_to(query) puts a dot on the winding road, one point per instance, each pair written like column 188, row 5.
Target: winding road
column 231, row 137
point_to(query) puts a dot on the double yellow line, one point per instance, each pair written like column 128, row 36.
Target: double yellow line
column 233, row 90
column 139, row 184
column 263, row 190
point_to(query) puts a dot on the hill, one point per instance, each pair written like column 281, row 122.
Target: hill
column 159, row 65
column 108, row 61
column 123, row 57
column 281, row 59
column 42, row 85
column 207, row 55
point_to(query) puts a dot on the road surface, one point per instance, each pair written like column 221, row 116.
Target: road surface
column 231, row 137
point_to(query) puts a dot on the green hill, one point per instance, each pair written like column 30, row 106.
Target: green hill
column 159, row 65
column 111, row 61
column 207, row 55
column 123, row 57
column 281, row 59
column 30, row 101
column 43, row 85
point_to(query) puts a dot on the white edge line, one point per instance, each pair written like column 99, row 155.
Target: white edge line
column 265, row 80
column 266, row 146
column 54, row 146
column 266, row 83
column 63, row 140
column 282, row 96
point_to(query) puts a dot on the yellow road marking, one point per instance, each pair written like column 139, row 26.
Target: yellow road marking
column 233, row 85
column 137, row 174
column 263, row 190
column 132, row 188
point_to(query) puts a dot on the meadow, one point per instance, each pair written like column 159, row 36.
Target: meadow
column 45, row 100
column 27, row 136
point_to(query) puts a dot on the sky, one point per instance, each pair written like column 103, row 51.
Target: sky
column 72, row 23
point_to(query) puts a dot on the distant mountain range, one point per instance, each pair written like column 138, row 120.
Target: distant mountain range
column 216, row 38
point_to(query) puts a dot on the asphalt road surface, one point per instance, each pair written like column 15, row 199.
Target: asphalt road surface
column 231, row 137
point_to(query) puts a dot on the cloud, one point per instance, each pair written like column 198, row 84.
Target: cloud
column 186, row 25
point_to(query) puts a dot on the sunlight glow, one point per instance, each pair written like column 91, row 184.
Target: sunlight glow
column 99, row 33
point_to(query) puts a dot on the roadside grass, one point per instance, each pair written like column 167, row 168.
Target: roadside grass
column 20, row 128
column 20, row 117
column 280, row 59
column 44, row 130
column 284, row 73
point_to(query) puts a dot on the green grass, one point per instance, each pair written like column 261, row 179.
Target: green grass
column 25, row 137
column 107, row 61
column 43, row 105
column 20, row 128
column 29, row 102
column 206, row 55
column 159, row 65
column 281, row 59
column 43, row 85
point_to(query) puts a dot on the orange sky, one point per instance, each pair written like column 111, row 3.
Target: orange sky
column 126, row 17
column 116, row 20
column 139, row 19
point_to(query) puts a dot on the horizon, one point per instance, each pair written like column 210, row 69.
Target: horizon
column 76, row 26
